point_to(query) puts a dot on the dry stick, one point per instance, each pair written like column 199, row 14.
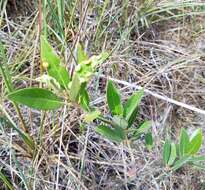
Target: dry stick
column 32, row 70
column 165, row 98
column 61, row 143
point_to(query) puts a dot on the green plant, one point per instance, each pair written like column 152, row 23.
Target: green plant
column 120, row 126
column 60, row 89
column 186, row 152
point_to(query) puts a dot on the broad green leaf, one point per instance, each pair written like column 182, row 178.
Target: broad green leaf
column 149, row 140
column 183, row 143
column 37, row 98
column 81, row 55
column 133, row 118
column 166, row 151
column 52, row 62
column 195, row 142
column 130, row 108
column 179, row 163
column 173, row 155
column 111, row 134
column 113, row 99
column 6, row 181
column 120, row 121
column 60, row 74
column 89, row 117
column 84, row 99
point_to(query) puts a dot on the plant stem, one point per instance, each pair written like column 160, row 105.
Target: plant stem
column 10, row 89
column 106, row 121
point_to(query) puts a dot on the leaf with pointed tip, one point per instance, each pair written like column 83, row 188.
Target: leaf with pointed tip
column 173, row 155
column 84, row 99
column 195, row 142
column 130, row 108
column 183, row 143
column 52, row 60
column 113, row 99
column 166, row 151
column 116, row 135
column 37, row 98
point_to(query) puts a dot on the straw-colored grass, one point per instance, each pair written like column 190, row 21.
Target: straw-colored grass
column 158, row 45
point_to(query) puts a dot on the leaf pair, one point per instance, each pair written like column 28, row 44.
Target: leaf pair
column 129, row 110
column 169, row 152
column 176, row 155
column 122, row 116
column 190, row 145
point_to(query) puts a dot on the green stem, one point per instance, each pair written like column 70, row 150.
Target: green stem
column 10, row 89
column 106, row 121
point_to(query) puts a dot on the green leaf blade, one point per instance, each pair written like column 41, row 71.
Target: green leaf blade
column 36, row 98
column 166, row 151
column 60, row 74
column 173, row 155
column 47, row 52
column 115, row 135
column 84, row 99
column 113, row 99
column 54, row 69
column 183, row 143
column 130, row 108
column 195, row 142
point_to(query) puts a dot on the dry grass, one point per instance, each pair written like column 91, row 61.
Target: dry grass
column 167, row 57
